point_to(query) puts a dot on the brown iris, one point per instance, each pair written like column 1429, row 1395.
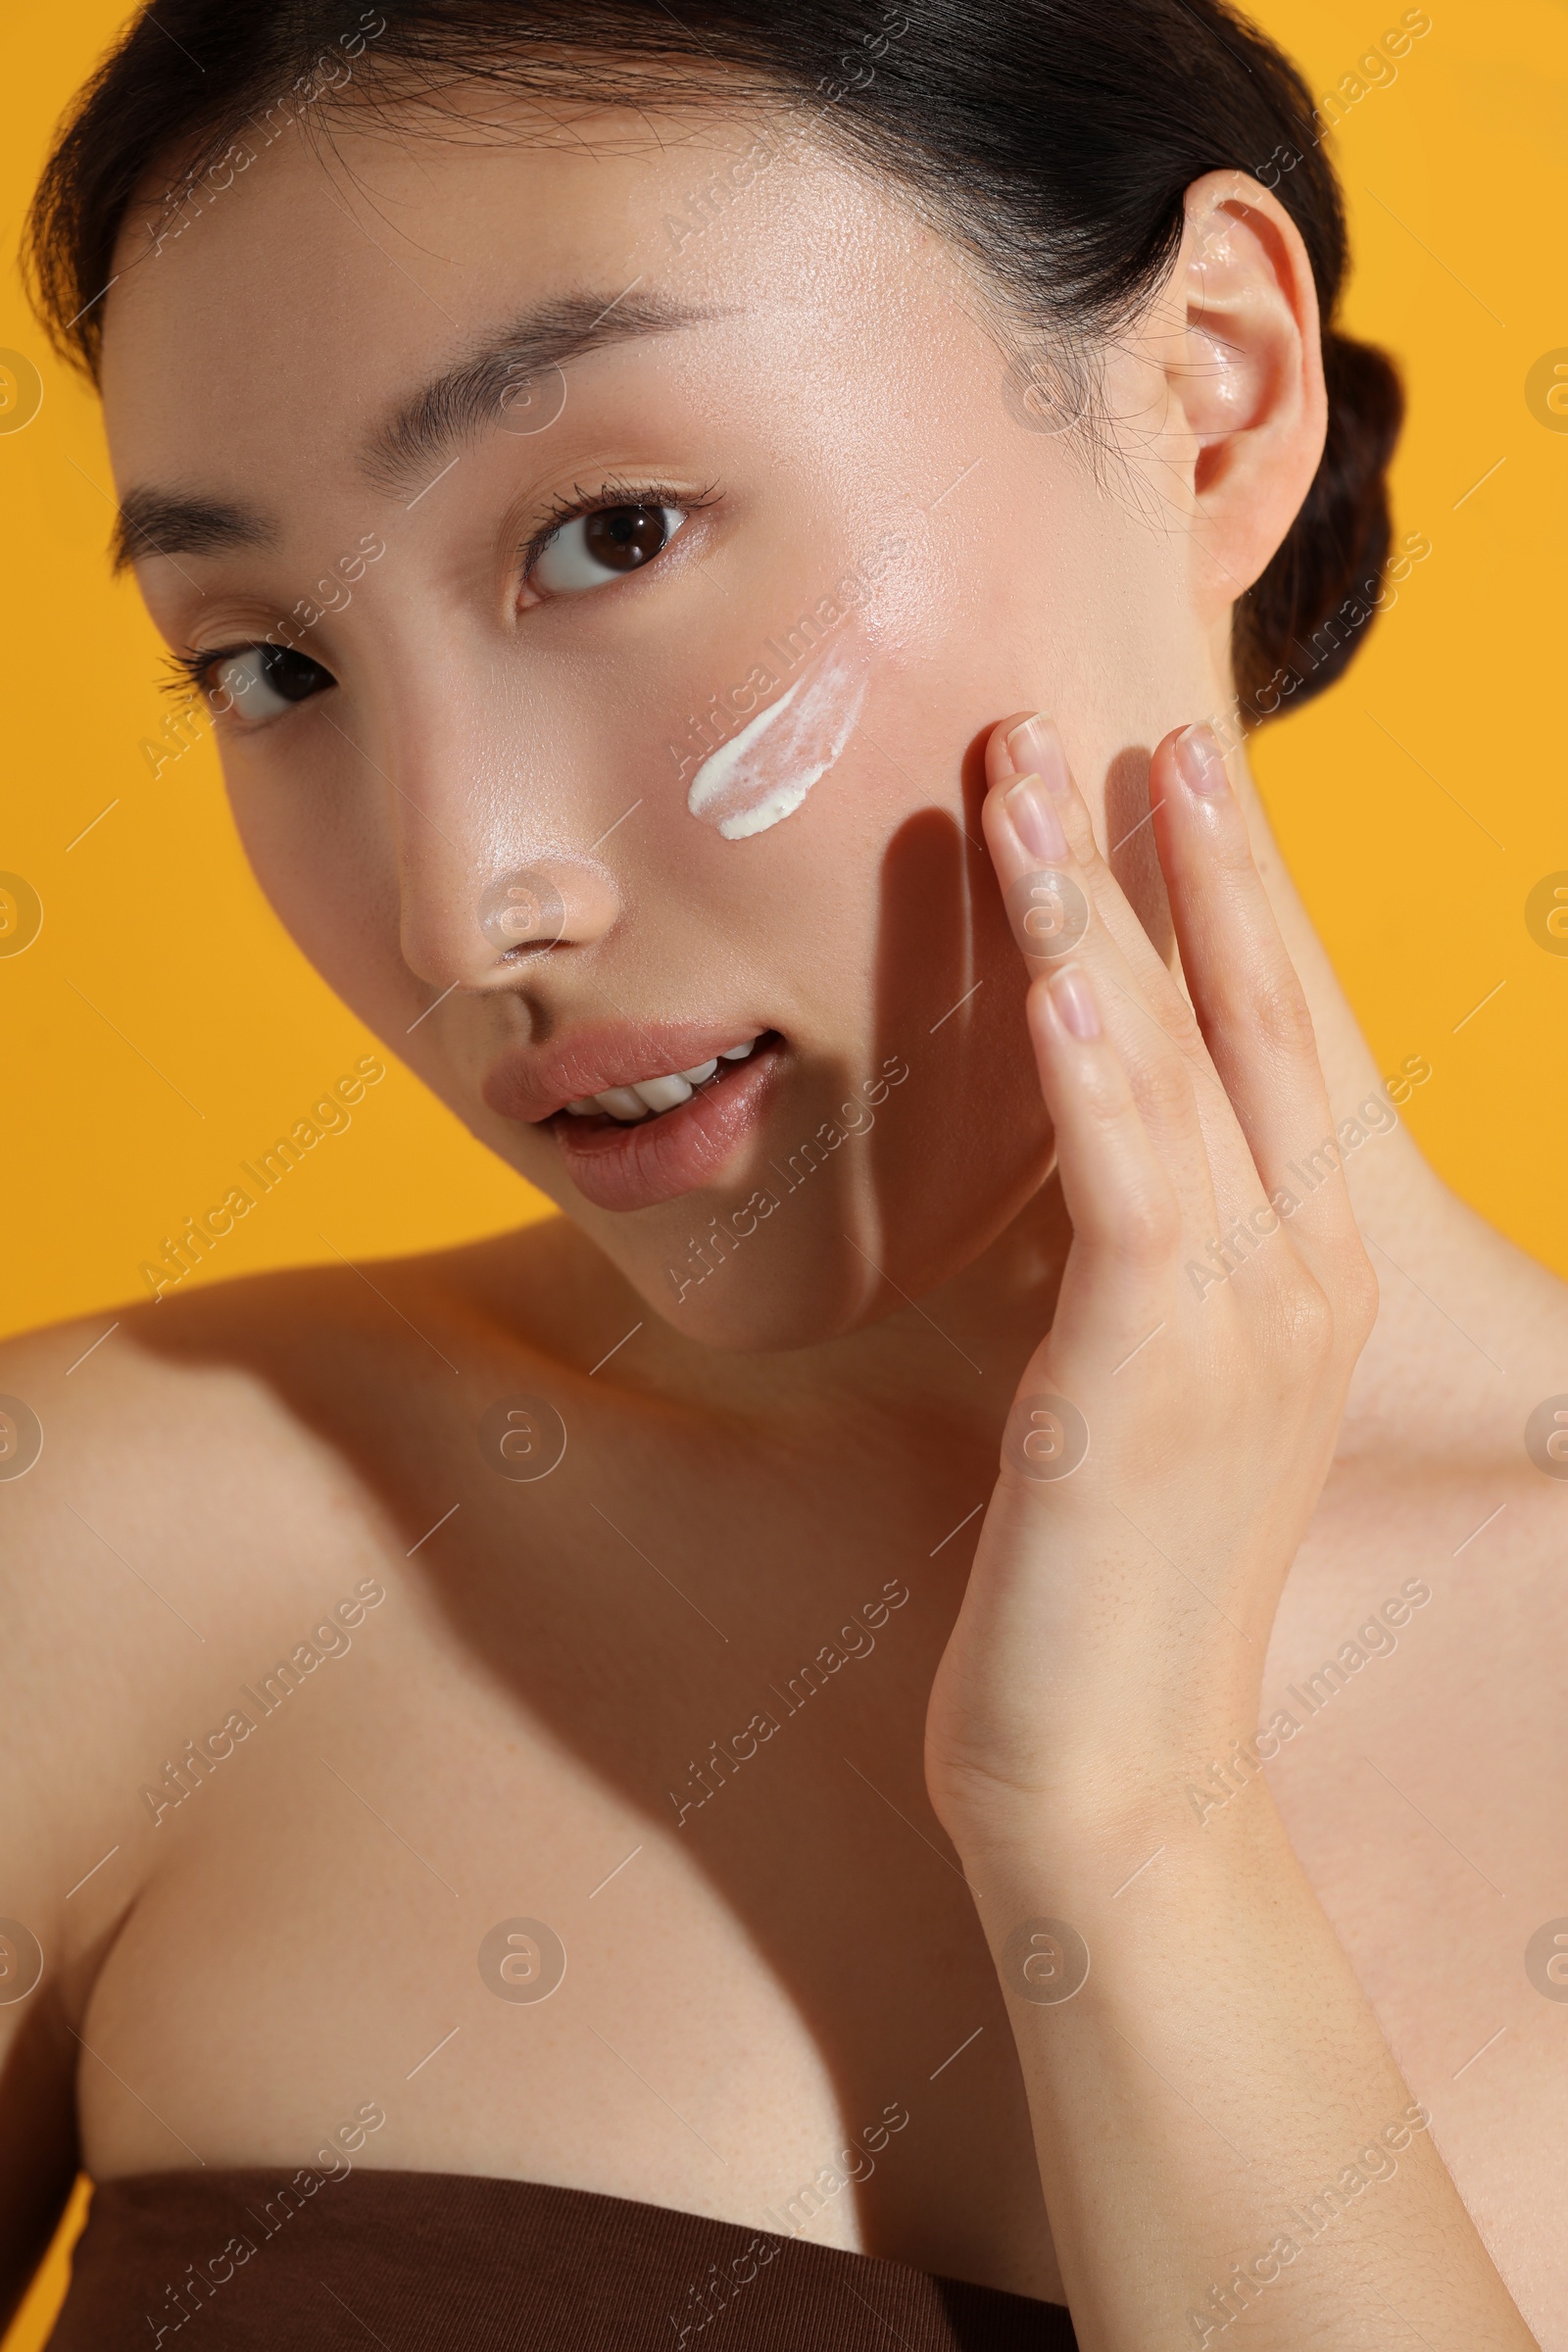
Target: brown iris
column 622, row 537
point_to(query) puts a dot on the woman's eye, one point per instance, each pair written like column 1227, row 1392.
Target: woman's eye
column 592, row 550
column 263, row 680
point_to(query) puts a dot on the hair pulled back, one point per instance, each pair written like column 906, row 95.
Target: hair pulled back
column 1052, row 141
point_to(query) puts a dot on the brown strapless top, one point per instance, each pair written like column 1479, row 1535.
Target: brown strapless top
column 448, row 2262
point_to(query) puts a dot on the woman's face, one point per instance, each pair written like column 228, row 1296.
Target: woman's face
column 556, row 814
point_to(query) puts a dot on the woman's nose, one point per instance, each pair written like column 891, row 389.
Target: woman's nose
column 495, row 831
column 473, row 927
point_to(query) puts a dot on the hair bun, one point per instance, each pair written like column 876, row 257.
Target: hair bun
column 1308, row 612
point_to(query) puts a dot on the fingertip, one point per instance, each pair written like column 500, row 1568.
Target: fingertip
column 1199, row 762
column 1188, row 765
column 1035, row 749
column 1064, row 1005
column 1029, row 746
column 1073, row 999
column 1001, row 767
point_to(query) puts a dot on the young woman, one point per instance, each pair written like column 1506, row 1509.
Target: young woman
column 558, row 1793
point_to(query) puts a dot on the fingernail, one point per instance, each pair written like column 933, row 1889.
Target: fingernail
column 1074, row 1001
column 1035, row 821
column 1035, row 749
column 1200, row 763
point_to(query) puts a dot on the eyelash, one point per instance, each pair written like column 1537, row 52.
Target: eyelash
column 610, row 494
column 189, row 670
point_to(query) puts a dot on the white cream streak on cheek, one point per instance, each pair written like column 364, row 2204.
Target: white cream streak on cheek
column 762, row 775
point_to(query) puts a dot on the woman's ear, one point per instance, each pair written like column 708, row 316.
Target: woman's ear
column 1247, row 408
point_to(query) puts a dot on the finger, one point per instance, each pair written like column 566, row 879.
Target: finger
column 1126, row 1217
column 1248, row 998
column 1029, row 744
column 1053, row 917
column 1136, row 987
column 1235, row 1176
column 1157, row 990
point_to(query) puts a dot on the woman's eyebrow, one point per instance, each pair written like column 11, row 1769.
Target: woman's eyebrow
column 422, row 426
column 467, row 397
column 170, row 523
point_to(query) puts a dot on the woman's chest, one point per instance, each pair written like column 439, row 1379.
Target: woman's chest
column 696, row 1944
column 565, row 1899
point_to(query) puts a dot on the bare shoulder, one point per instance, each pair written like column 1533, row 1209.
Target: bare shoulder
column 179, row 1482
column 187, row 1487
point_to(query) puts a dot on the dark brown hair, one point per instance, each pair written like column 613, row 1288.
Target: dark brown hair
column 1052, row 141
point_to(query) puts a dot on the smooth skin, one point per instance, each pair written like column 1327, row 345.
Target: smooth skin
column 797, row 1466
column 1091, row 1667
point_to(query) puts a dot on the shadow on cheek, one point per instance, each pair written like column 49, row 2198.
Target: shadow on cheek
column 922, row 970
column 1130, row 835
column 922, row 961
column 962, row 1140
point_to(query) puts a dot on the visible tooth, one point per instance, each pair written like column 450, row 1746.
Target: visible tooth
column 661, row 1094
column 622, row 1104
column 587, row 1109
column 737, row 1053
column 701, row 1075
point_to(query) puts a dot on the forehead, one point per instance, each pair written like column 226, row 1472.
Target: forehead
column 278, row 314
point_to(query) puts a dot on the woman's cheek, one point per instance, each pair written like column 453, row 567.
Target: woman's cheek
column 762, row 775
column 326, row 862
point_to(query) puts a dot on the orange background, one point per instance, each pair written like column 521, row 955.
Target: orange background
column 162, row 1027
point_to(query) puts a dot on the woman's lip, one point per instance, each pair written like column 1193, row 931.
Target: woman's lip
column 678, row 1151
column 532, row 1084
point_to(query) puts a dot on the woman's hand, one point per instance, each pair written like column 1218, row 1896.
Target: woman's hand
column 1221, row 2133
column 1172, row 1431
